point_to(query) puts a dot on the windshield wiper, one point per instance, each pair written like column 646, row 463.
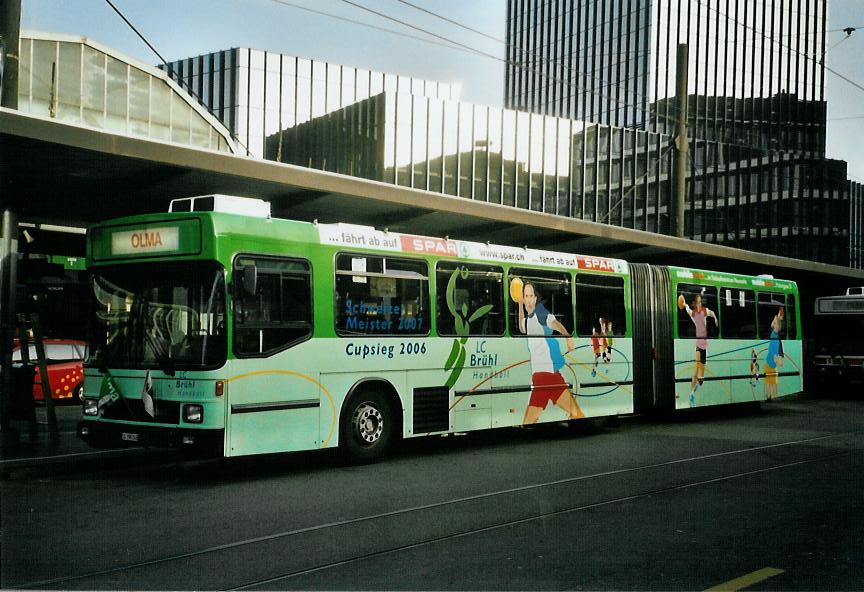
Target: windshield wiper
column 160, row 352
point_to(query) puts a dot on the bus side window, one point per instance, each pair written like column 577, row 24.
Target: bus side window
column 772, row 315
column 738, row 311
column 707, row 295
column 551, row 290
column 378, row 295
column 279, row 313
column 600, row 297
column 475, row 305
column 791, row 318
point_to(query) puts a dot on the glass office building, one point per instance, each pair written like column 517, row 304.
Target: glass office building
column 614, row 61
column 540, row 163
column 856, row 225
column 78, row 81
column 588, row 132
column 757, row 175
column 256, row 93
column 775, row 203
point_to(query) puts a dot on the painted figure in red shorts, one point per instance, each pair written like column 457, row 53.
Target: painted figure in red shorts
column 547, row 384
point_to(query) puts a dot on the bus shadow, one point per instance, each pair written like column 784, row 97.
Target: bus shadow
column 196, row 470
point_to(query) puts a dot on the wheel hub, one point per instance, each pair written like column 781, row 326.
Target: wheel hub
column 368, row 423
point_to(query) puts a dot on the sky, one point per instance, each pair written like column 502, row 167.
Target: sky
column 183, row 28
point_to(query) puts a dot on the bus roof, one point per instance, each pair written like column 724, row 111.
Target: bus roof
column 134, row 238
column 349, row 235
column 760, row 282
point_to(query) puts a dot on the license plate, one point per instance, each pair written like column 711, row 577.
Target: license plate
column 129, row 437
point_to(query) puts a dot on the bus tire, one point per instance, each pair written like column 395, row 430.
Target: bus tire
column 367, row 426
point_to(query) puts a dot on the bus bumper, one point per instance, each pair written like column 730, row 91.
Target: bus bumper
column 112, row 435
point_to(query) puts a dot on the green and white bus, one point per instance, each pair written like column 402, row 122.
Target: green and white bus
column 215, row 324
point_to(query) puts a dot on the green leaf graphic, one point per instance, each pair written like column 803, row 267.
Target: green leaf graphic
column 457, row 371
column 480, row 312
column 454, row 353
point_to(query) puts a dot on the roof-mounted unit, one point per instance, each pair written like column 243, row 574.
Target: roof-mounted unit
column 226, row 204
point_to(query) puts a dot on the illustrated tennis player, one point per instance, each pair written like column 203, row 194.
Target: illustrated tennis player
column 699, row 315
column 547, row 383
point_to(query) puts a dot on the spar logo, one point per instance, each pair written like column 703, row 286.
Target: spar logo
column 145, row 241
column 428, row 245
column 595, row 263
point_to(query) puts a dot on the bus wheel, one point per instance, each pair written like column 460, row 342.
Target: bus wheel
column 367, row 427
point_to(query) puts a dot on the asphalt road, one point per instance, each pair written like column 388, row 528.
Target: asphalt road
column 768, row 499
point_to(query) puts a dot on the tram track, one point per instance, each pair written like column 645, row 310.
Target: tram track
column 454, row 518
column 264, row 582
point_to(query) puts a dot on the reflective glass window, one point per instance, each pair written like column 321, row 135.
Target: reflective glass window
column 693, row 323
column 470, row 299
column 180, row 119
column 69, row 83
column 600, row 306
column 381, row 295
column 276, row 312
column 772, row 315
column 737, row 313
column 160, row 114
column 44, row 57
column 139, row 102
column 541, row 292
column 93, row 85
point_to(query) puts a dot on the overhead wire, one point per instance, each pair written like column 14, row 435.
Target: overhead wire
column 649, row 113
column 443, row 41
column 178, row 79
column 502, row 60
column 571, row 69
column 671, row 108
column 371, row 26
column 802, row 54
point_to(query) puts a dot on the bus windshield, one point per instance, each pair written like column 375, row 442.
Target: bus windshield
column 160, row 316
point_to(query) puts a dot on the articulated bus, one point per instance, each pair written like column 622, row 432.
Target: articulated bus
column 215, row 324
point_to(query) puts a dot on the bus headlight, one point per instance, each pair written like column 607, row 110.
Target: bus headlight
column 193, row 413
column 91, row 407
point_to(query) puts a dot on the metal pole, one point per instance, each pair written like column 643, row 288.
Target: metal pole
column 681, row 173
column 47, row 400
column 10, row 30
column 8, row 279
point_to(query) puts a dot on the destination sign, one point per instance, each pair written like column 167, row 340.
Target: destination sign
column 145, row 241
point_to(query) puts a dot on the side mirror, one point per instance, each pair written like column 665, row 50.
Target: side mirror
column 250, row 280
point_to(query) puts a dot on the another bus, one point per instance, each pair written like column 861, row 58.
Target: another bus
column 215, row 324
column 837, row 340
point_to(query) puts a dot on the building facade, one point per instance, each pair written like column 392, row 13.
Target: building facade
column 546, row 164
column 78, row 81
column 757, row 177
column 614, row 61
column 589, row 132
column 256, row 93
column 784, row 204
column 856, row 230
